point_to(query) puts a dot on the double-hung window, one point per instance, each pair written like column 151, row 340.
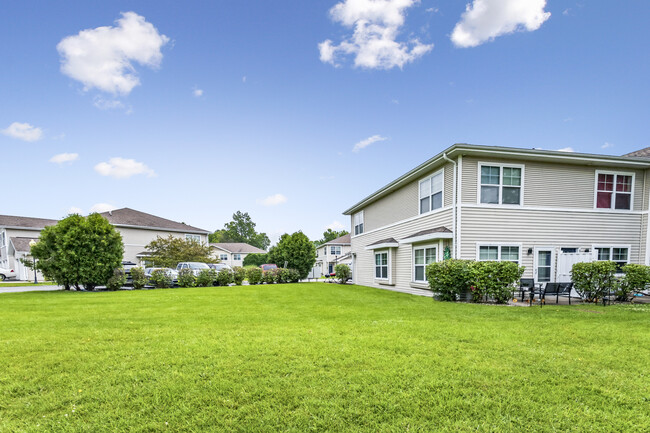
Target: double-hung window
column 195, row 238
column 358, row 223
column 422, row 256
column 499, row 253
column 618, row 255
column 236, row 256
column 431, row 192
column 381, row 266
column 223, row 257
column 614, row 191
column 500, row 184
column 335, row 250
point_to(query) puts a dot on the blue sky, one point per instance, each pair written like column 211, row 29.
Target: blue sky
column 258, row 106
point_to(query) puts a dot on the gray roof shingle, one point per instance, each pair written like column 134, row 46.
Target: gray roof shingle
column 440, row 229
column 238, row 248
column 641, row 153
column 26, row 222
column 21, row 244
column 342, row 240
column 132, row 217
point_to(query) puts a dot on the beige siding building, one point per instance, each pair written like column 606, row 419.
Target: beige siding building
column 330, row 254
column 232, row 253
column 545, row 210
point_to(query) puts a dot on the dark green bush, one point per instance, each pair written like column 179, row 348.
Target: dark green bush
column 206, row 278
column 635, row 280
column 255, row 259
column 238, row 275
column 497, row 280
column 450, row 278
column 117, row 280
column 254, row 275
column 224, row 277
column 292, row 276
column 269, row 276
column 160, row 279
column 343, row 272
column 186, row 278
column 593, row 280
column 137, row 277
column 282, row 275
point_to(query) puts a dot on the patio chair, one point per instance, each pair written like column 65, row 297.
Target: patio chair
column 525, row 285
column 557, row 289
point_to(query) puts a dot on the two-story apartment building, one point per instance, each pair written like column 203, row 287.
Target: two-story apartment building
column 233, row 253
column 137, row 229
column 545, row 210
column 330, row 254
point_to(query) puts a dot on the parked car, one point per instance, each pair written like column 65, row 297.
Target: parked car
column 127, row 266
column 170, row 272
column 219, row 266
column 7, row 273
column 268, row 266
column 196, row 267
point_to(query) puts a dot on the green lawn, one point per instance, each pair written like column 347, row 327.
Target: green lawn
column 317, row 357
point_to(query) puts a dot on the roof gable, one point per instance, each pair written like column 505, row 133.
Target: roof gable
column 237, row 248
column 341, row 240
column 25, row 222
column 133, row 218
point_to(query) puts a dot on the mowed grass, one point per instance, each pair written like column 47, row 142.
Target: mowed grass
column 317, row 357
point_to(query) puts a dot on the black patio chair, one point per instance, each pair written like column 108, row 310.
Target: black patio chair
column 525, row 285
column 557, row 289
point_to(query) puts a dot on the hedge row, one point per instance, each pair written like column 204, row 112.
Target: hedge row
column 596, row 280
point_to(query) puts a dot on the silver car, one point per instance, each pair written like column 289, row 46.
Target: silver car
column 195, row 267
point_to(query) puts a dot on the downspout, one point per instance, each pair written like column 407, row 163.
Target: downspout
column 647, row 219
column 453, row 205
column 459, row 212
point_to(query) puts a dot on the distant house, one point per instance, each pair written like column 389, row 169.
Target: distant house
column 137, row 229
column 331, row 253
column 233, row 254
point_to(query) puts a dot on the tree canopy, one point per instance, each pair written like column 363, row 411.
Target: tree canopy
column 330, row 235
column 168, row 252
column 241, row 229
column 297, row 250
column 79, row 251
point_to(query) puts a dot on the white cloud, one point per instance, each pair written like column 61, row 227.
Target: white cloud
column 367, row 142
column 484, row 20
column 376, row 26
column 566, row 11
column 197, row 92
column 121, row 168
column 23, row 131
column 64, row 157
column 102, row 207
column 566, row 149
column 102, row 57
column 607, row 145
column 243, row 79
column 107, row 104
column 335, row 225
column 273, row 200
column 75, row 209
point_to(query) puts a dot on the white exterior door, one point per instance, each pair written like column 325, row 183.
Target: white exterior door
column 544, row 264
column 565, row 262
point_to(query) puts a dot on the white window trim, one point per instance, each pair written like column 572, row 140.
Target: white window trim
column 374, row 264
column 441, row 172
column 340, row 250
column 554, row 253
column 501, row 165
column 498, row 244
column 611, row 209
column 189, row 236
column 234, row 257
column 610, row 246
column 363, row 223
column 423, row 247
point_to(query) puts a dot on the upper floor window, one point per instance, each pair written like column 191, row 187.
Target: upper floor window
column 499, row 253
column 431, row 193
column 614, row 191
column 223, row 257
column 358, row 223
column 335, row 250
column 236, row 256
column 195, row 238
column 501, row 184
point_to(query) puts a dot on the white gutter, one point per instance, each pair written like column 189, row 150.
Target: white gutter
column 453, row 206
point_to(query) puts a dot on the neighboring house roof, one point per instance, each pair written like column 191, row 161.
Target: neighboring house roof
column 342, row 240
column 127, row 217
column 238, row 248
column 25, row 222
column 641, row 153
column 500, row 151
column 21, row 244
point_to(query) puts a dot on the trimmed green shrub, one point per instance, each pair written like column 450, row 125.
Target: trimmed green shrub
column 137, row 277
column 206, row 278
column 268, row 277
column 255, row 259
column 292, row 276
column 296, row 250
column 282, row 276
column 494, row 279
column 343, row 272
column 238, row 275
column 449, row 278
column 224, row 277
column 592, row 280
column 254, row 275
column 160, row 279
column 635, row 279
column 186, row 278
column 117, row 280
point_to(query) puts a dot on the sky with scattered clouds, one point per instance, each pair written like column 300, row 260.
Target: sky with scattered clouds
column 293, row 111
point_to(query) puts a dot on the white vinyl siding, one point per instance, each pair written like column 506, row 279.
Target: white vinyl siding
column 431, row 192
column 422, row 256
column 500, row 184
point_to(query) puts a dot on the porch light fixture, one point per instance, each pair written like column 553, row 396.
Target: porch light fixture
column 530, row 251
